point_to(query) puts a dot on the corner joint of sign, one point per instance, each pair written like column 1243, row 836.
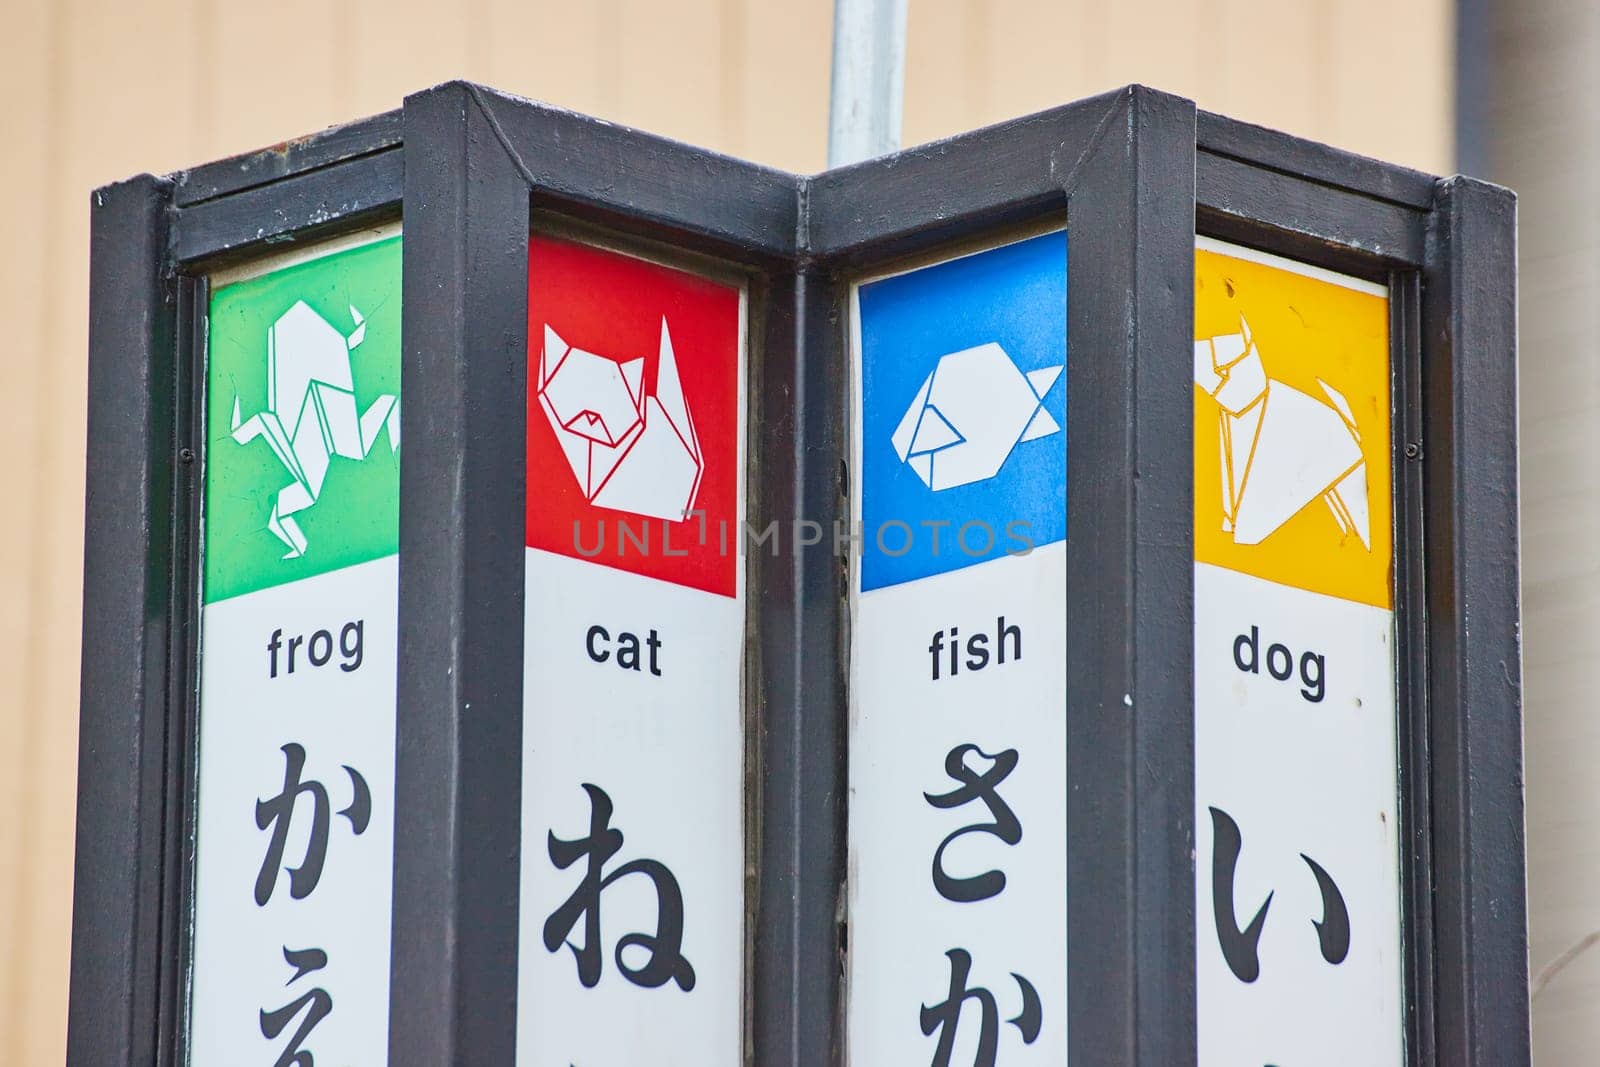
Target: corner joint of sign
column 1068, row 181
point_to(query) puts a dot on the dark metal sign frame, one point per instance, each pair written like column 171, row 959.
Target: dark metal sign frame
column 1138, row 174
column 1447, row 249
column 152, row 243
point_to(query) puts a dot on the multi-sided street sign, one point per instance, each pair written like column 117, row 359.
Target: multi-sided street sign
column 1048, row 596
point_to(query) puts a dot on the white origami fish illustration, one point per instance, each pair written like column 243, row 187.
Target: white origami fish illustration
column 1281, row 448
column 630, row 450
column 971, row 411
column 310, row 415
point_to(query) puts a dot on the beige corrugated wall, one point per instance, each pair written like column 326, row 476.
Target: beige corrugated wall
column 96, row 90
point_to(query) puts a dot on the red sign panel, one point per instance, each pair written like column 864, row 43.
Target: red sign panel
column 633, row 415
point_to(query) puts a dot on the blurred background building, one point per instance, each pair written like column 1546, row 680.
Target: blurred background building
column 100, row 90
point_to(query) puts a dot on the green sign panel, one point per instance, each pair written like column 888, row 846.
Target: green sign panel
column 303, row 417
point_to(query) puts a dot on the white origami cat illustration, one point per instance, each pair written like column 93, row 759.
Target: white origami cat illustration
column 1281, row 448
column 630, row 450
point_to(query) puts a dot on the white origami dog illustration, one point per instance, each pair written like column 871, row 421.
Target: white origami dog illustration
column 1281, row 448
column 309, row 383
column 630, row 450
column 972, row 410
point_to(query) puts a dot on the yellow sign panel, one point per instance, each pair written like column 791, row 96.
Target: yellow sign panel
column 1292, row 471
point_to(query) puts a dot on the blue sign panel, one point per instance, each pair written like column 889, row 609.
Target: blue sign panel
column 963, row 382
column 958, row 672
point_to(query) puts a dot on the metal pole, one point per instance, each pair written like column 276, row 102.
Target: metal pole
column 869, row 73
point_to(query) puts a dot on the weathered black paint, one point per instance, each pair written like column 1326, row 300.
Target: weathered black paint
column 459, row 730
column 317, row 204
column 364, row 137
column 798, row 599
column 1137, row 173
column 1407, row 429
column 1474, row 642
column 128, row 622
column 1130, row 585
column 935, row 193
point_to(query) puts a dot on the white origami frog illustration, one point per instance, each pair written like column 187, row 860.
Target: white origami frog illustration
column 973, row 408
column 310, row 415
column 1281, row 448
column 631, row 450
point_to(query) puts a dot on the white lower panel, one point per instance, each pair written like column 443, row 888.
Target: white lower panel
column 905, row 723
column 1306, row 768
column 254, row 700
column 661, row 735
